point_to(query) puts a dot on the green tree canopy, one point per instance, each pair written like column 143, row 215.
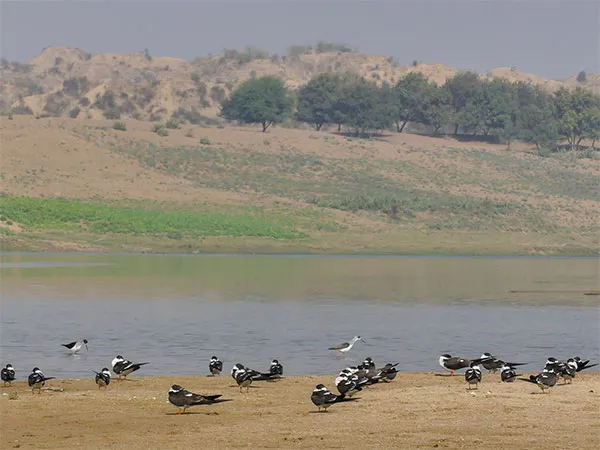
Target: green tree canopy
column 576, row 113
column 462, row 87
column 409, row 96
column 317, row 98
column 263, row 100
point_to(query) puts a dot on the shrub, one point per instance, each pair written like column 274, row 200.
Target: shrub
column 172, row 124
column 162, row 132
column 189, row 134
column 581, row 77
column 74, row 112
column 119, row 126
column 205, row 141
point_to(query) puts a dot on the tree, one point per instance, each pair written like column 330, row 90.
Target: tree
column 462, row 87
column 437, row 108
column 364, row 106
column 317, row 98
column 263, row 100
column 491, row 108
column 535, row 116
column 575, row 113
column 409, row 95
column 581, row 77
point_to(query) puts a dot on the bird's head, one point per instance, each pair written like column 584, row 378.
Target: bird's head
column 175, row 388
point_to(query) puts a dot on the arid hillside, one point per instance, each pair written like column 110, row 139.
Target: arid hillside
column 309, row 191
column 68, row 82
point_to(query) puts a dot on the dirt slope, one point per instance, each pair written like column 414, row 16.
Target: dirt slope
column 153, row 88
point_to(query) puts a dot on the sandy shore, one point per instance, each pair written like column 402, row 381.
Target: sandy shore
column 416, row 410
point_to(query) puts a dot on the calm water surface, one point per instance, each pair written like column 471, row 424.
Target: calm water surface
column 177, row 311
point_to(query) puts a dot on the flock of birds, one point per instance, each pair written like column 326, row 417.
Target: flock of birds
column 349, row 381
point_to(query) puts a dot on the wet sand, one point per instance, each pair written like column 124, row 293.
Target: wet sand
column 416, row 410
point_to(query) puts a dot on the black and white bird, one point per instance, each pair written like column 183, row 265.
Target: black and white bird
column 102, row 378
column 553, row 364
column 123, row 367
column 493, row 364
column 369, row 368
column 75, row 346
column 242, row 376
column 582, row 365
column 349, row 383
column 183, row 399
column 387, row 373
column 473, row 376
column 545, row 380
column 276, row 369
column 215, row 366
column 37, row 380
column 453, row 363
column 568, row 370
column 323, row 398
column 346, row 346
column 508, row 374
column 8, row 374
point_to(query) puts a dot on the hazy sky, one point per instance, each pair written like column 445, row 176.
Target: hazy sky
column 554, row 39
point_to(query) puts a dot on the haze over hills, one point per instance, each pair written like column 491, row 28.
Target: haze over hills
column 64, row 81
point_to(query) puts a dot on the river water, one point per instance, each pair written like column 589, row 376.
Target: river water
column 176, row 311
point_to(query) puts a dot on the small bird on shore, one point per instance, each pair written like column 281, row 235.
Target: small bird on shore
column 493, row 364
column 75, row 346
column 568, row 371
column 37, row 380
column 387, row 373
column 453, row 363
column 276, row 369
column 8, row 374
column 349, row 383
column 324, row 398
column 346, row 346
column 508, row 374
column 183, row 399
column 215, row 366
column 473, row 376
column 123, row 367
column 545, row 380
column 582, row 365
column 102, row 378
column 242, row 376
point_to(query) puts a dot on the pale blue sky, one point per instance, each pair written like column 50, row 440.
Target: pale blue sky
column 554, row 39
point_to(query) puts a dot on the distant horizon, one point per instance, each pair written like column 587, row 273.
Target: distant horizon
column 550, row 39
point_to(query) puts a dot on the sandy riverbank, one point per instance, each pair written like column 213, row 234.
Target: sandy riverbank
column 417, row 410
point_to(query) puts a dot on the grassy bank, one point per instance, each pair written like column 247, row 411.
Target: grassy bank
column 33, row 224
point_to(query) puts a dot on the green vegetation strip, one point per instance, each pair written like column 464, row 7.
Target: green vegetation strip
column 63, row 214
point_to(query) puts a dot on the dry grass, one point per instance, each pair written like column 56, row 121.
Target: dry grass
column 396, row 193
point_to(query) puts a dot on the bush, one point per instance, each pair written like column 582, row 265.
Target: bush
column 163, row 132
column 119, row 126
column 74, row 112
column 158, row 126
column 172, row 124
column 84, row 101
column 205, row 141
column 581, row 77
column 189, row 134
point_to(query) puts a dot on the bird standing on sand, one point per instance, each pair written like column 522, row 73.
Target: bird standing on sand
column 545, row 380
column 453, row 363
column 346, row 346
column 473, row 376
column 324, row 398
column 8, row 374
column 123, row 367
column 215, row 366
column 493, row 364
column 183, row 399
column 75, row 346
column 508, row 374
column 276, row 369
column 582, row 365
column 242, row 376
column 37, row 380
column 102, row 378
